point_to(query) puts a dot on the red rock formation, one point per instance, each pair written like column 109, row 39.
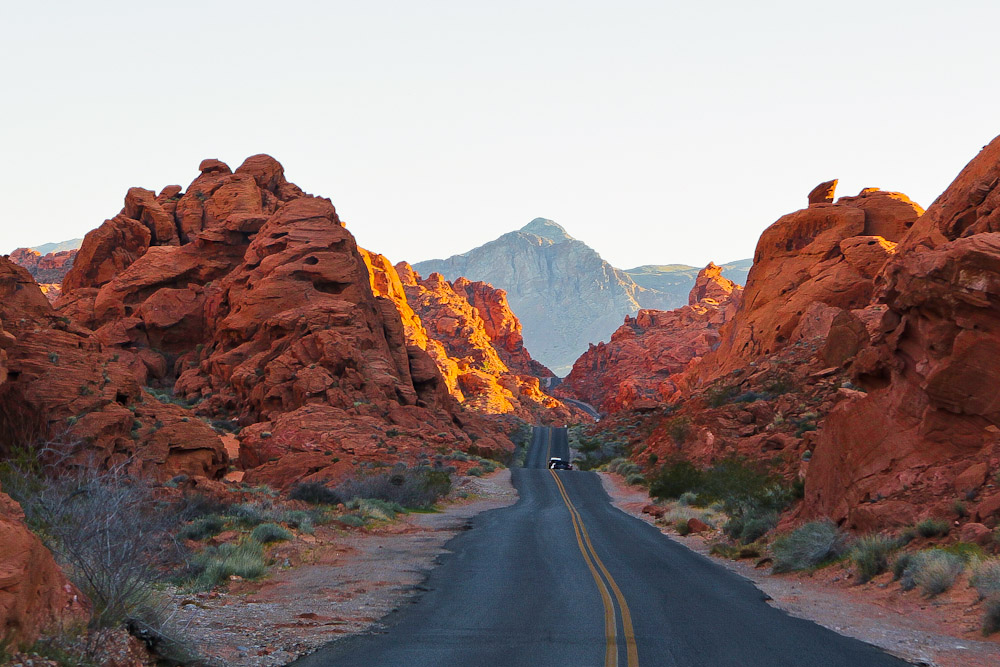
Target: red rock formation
column 247, row 297
column 34, row 593
column 481, row 339
column 928, row 430
column 810, row 266
column 637, row 366
column 63, row 383
column 48, row 270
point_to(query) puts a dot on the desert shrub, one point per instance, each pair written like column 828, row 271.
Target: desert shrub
column 301, row 520
column 871, row 553
column 315, row 493
column 682, row 528
column 808, row 546
column 352, row 520
column 750, row 527
column 675, row 479
column 687, row 498
column 936, row 571
column 635, row 479
column 202, row 528
column 475, row 471
column 967, row 551
column 114, row 540
column 376, row 509
column 901, row 565
column 683, row 513
column 985, row 577
column 623, row 467
column 991, row 615
column 933, row 528
column 248, row 515
column 679, row 428
column 417, row 487
column 270, row 532
column 217, row 564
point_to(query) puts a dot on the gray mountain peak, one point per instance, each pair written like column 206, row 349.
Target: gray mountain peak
column 547, row 229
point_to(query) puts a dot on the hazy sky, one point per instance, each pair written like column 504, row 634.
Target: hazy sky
column 657, row 132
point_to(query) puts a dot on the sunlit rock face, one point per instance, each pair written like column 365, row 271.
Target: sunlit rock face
column 246, row 302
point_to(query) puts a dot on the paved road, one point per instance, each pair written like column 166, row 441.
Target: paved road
column 562, row 578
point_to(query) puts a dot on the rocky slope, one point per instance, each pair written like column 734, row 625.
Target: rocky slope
column 565, row 295
column 674, row 281
column 247, row 305
column 635, row 368
column 493, row 371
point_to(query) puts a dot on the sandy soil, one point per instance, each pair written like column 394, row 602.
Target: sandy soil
column 331, row 584
column 944, row 632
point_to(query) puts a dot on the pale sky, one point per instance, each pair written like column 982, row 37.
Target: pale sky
column 657, row 132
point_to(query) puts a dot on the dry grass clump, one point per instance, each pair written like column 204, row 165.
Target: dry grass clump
column 808, row 546
column 985, row 577
column 933, row 528
column 934, row 571
column 871, row 553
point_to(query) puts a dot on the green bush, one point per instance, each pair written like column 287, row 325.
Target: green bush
column 248, row 515
column 217, row 564
column 871, row 553
column 808, row 546
column 687, row 498
column 901, row 565
column 300, row 520
column 985, row 577
column 315, row 493
column 203, row 528
column 682, row 528
column 675, row 479
column 635, row 479
column 270, row 532
column 417, row 487
column 750, row 527
column 933, row 528
column 475, row 471
column 352, row 520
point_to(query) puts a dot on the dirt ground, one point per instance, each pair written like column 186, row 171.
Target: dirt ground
column 330, row 584
column 943, row 632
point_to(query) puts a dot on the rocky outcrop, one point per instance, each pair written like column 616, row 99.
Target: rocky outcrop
column 809, row 267
column 927, row 432
column 481, row 339
column 63, row 383
column 248, row 303
column 47, row 269
column 637, row 367
column 564, row 294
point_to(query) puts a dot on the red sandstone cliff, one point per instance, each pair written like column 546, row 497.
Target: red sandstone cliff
column 47, row 270
column 928, row 430
column 250, row 300
column 637, row 367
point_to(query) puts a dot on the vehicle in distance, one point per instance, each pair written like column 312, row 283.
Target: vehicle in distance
column 557, row 463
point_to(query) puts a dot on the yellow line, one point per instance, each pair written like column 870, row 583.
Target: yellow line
column 630, row 645
column 610, row 629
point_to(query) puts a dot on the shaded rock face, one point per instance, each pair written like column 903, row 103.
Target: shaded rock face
column 564, row 294
column 249, row 302
column 809, row 267
column 928, row 429
column 34, row 593
column 62, row 383
column 637, row 367
column 483, row 350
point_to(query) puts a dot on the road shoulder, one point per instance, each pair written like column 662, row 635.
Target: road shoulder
column 841, row 608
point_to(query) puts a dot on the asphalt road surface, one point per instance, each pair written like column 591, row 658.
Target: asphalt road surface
column 562, row 578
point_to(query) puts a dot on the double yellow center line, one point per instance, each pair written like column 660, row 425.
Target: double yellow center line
column 594, row 563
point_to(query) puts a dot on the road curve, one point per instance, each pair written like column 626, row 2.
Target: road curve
column 564, row 578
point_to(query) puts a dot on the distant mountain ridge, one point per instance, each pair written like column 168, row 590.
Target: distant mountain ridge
column 46, row 248
column 564, row 293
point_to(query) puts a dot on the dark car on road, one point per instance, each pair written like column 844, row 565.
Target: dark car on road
column 558, row 464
